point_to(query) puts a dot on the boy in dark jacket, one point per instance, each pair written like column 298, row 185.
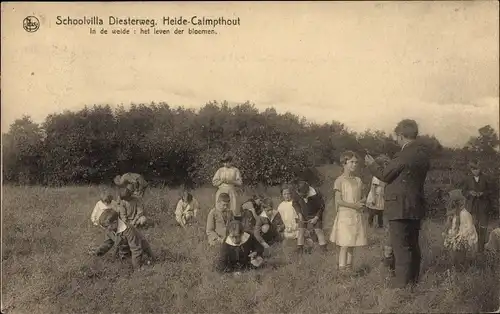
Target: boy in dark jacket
column 125, row 237
column 309, row 205
column 239, row 251
column 477, row 190
column 269, row 226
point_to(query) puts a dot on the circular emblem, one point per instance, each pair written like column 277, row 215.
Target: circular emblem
column 31, row 24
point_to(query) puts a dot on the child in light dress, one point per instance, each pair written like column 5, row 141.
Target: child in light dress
column 375, row 199
column 349, row 227
column 186, row 210
column 105, row 202
column 227, row 179
column 460, row 235
column 288, row 214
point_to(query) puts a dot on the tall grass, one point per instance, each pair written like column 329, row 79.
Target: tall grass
column 45, row 268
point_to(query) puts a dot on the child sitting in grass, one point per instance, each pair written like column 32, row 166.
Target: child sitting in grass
column 240, row 250
column 125, row 237
column 186, row 210
column 269, row 226
column 250, row 211
column 218, row 219
column 104, row 202
column 460, row 235
column 288, row 214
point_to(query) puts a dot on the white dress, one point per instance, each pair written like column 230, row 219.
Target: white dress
column 375, row 198
column 350, row 225
column 227, row 180
column 289, row 216
column 463, row 237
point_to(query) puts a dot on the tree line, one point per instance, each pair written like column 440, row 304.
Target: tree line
column 180, row 146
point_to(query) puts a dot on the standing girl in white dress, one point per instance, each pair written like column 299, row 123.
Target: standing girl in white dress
column 288, row 214
column 228, row 179
column 349, row 227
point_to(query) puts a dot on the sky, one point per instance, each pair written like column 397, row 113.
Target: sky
column 365, row 64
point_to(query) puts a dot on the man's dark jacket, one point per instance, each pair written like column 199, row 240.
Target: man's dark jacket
column 405, row 177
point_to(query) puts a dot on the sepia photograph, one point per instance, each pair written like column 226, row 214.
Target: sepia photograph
column 250, row 157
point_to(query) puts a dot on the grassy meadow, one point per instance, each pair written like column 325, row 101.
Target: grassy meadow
column 46, row 269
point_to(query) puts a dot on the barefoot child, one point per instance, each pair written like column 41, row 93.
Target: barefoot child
column 186, row 210
column 349, row 227
column 460, row 234
column 125, row 237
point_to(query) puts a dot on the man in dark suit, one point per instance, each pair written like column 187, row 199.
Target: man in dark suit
column 404, row 200
column 476, row 189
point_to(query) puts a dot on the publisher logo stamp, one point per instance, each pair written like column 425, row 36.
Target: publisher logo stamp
column 31, row 24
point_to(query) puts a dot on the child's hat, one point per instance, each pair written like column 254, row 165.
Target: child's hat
column 456, row 195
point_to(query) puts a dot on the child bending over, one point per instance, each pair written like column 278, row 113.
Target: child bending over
column 239, row 251
column 131, row 209
column 125, row 237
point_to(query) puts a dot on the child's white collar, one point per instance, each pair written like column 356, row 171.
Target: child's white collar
column 264, row 214
column 244, row 238
column 311, row 192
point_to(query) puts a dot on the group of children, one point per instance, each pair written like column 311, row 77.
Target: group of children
column 298, row 217
column 244, row 233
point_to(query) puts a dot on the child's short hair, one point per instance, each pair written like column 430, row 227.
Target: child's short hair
column 107, row 217
column 267, row 203
column 407, row 128
column 284, row 187
column 189, row 196
column 224, row 197
column 234, row 226
column 345, row 156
